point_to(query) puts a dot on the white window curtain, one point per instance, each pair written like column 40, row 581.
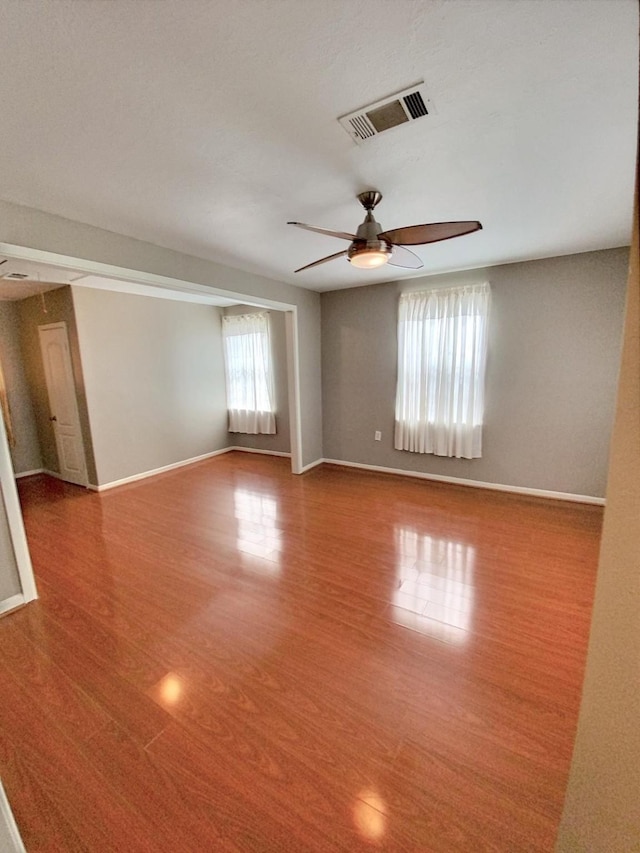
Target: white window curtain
column 442, row 349
column 247, row 356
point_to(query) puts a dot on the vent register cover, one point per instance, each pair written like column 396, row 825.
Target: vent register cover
column 11, row 275
column 408, row 105
column 17, row 269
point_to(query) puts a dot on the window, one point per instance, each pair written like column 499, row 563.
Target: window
column 247, row 358
column 442, row 346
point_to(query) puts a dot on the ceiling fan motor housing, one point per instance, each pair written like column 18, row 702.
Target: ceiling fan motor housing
column 367, row 239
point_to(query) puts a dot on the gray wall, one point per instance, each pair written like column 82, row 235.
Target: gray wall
column 54, row 306
column 24, row 226
column 9, row 579
column 154, row 380
column 553, row 358
column 26, row 455
column 281, row 441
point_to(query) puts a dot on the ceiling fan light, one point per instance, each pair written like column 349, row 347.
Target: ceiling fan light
column 369, row 259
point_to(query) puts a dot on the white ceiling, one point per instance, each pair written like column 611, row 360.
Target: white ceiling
column 204, row 126
column 40, row 278
column 44, row 277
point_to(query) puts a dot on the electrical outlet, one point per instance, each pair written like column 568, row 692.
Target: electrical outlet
column 378, row 435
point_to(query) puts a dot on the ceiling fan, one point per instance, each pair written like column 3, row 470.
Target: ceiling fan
column 372, row 247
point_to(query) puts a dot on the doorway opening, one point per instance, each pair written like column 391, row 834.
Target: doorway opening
column 81, row 457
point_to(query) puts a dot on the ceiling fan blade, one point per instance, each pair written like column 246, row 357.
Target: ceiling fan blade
column 432, row 232
column 342, row 235
column 401, row 257
column 322, row 261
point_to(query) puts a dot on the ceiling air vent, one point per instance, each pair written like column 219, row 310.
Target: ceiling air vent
column 408, row 105
column 15, row 276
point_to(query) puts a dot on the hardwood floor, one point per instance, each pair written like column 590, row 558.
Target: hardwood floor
column 227, row 657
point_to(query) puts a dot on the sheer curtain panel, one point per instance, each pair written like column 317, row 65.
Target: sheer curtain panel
column 442, row 349
column 249, row 375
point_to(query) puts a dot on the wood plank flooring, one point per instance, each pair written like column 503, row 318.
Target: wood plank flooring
column 230, row 658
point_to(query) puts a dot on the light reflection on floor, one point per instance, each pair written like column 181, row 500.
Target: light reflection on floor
column 434, row 594
column 169, row 689
column 257, row 532
column 370, row 815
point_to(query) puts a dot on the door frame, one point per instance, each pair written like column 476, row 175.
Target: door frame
column 16, row 527
column 7, row 477
column 46, row 327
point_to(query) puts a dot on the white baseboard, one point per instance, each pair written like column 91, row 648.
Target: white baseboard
column 476, row 484
column 312, row 465
column 263, row 452
column 143, row 476
column 438, row 478
column 12, row 602
column 30, row 473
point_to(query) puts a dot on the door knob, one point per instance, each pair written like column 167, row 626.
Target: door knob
column 53, row 418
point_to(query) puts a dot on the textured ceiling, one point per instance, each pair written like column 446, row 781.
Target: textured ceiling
column 41, row 277
column 44, row 277
column 203, row 126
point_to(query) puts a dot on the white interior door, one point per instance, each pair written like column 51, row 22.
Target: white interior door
column 63, row 407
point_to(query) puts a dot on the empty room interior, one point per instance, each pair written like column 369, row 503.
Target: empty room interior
column 320, row 434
